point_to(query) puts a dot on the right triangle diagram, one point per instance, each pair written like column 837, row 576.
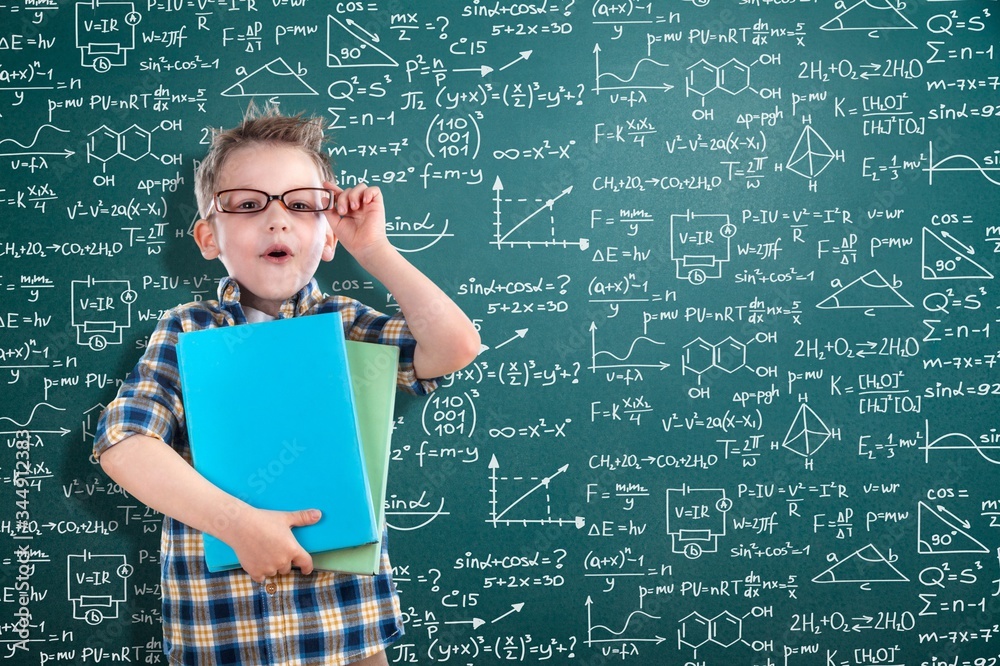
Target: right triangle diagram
column 350, row 45
column 947, row 258
column 940, row 531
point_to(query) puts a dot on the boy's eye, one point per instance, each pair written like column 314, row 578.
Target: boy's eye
column 242, row 201
column 306, row 199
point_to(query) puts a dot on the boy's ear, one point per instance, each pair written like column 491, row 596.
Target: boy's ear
column 204, row 236
column 329, row 245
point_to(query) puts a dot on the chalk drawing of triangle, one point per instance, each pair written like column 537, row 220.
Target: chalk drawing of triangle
column 944, row 257
column 865, row 565
column 807, row 432
column 869, row 291
column 870, row 15
column 941, row 531
column 274, row 78
column 350, row 45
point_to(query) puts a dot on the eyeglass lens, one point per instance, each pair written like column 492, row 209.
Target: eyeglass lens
column 301, row 200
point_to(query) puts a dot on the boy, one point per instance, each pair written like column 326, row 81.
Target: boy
column 270, row 213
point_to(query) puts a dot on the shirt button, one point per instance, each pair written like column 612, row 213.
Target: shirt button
column 271, row 588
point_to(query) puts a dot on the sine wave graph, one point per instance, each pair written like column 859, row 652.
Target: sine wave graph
column 958, row 441
column 984, row 171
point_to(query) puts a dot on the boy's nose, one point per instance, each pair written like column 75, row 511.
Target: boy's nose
column 277, row 218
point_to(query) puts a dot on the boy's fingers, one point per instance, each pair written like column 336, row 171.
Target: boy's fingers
column 303, row 517
column 353, row 198
column 304, row 562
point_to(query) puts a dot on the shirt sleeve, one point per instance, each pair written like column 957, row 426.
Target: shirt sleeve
column 149, row 402
column 366, row 324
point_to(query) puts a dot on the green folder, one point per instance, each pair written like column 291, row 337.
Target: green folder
column 373, row 370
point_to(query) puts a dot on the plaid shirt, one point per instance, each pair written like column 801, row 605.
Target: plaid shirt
column 227, row 618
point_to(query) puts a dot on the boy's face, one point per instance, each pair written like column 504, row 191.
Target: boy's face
column 272, row 253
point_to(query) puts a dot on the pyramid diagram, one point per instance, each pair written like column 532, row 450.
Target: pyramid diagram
column 941, row 531
column 869, row 16
column 274, row 78
column 807, row 433
column 811, row 154
column 871, row 290
column 944, row 257
column 350, row 45
column 865, row 565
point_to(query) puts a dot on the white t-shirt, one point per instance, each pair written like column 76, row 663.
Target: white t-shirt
column 255, row 316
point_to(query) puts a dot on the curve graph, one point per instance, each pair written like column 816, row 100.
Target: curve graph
column 629, row 82
column 613, row 636
column 934, row 167
column 957, row 441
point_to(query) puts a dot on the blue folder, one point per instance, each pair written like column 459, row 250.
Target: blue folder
column 271, row 419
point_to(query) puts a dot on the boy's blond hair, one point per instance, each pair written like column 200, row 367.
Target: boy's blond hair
column 260, row 126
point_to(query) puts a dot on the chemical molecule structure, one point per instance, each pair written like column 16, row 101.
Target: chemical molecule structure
column 724, row 629
column 732, row 76
column 134, row 143
column 728, row 356
column 700, row 356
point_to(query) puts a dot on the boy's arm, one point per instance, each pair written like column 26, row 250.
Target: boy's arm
column 155, row 474
column 446, row 340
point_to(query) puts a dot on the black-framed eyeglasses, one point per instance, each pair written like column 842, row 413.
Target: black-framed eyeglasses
column 299, row 200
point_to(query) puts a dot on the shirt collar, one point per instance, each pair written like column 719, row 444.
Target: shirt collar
column 299, row 304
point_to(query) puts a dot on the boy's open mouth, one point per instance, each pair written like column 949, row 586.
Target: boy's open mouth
column 277, row 252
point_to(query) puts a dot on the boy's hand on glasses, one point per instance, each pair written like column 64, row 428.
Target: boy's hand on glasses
column 357, row 218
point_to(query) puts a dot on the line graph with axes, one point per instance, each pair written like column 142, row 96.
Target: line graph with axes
column 529, row 503
column 524, row 232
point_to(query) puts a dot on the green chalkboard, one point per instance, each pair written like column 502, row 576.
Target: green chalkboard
column 733, row 265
